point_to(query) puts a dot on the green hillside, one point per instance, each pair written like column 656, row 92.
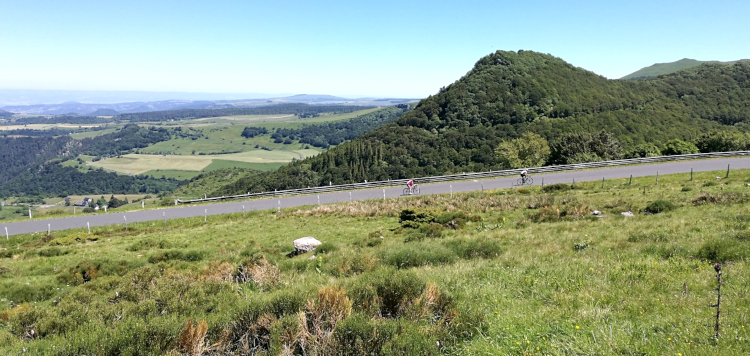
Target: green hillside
column 509, row 93
column 666, row 68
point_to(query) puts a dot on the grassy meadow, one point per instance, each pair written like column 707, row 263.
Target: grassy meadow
column 527, row 272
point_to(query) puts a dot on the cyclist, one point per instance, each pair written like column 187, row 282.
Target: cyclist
column 524, row 175
column 410, row 185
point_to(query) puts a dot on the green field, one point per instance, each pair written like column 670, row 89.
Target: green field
column 525, row 272
column 134, row 164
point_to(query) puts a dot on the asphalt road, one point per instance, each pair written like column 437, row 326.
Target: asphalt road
column 186, row 211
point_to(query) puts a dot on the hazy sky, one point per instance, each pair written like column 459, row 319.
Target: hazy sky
column 349, row 48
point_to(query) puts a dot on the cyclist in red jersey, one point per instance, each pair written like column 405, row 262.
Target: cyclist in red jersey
column 410, row 185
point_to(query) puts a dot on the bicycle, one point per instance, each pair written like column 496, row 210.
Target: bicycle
column 525, row 181
column 414, row 190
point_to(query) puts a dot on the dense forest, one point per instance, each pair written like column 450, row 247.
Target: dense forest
column 507, row 94
column 31, row 164
column 61, row 181
column 302, row 110
column 127, row 139
column 334, row 133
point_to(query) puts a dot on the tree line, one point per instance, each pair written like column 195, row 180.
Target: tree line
column 334, row 133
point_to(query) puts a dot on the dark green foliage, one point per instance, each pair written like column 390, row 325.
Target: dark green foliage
column 659, row 206
column 416, row 216
column 557, row 187
column 334, row 133
column 385, row 292
column 580, row 147
column 252, row 131
column 723, row 250
column 644, row 150
column 507, row 94
column 678, row 147
column 175, row 255
column 125, row 140
column 359, row 335
column 415, row 255
column 473, row 248
column 723, row 141
column 115, row 203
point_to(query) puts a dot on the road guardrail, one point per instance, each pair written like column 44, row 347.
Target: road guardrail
column 465, row 176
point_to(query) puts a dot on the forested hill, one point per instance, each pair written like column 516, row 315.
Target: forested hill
column 509, row 93
column 671, row 67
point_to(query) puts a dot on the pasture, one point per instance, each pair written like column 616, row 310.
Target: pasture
column 134, row 164
column 523, row 272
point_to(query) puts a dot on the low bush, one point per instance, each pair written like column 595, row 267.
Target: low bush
column 659, row 206
column 385, row 292
column 721, row 250
column 175, row 255
column 557, row 187
column 149, row 244
column 415, row 255
column 482, row 248
column 359, row 335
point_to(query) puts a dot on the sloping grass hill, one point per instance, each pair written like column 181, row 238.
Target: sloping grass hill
column 523, row 272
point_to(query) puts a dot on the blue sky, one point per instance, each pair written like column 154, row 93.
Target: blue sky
column 348, row 48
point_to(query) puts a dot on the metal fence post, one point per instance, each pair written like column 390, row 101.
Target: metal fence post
column 29, row 213
column 278, row 211
column 49, row 229
column 383, row 194
column 451, row 191
column 205, row 215
column 126, row 221
column 243, row 211
column 318, row 199
column 631, row 180
column 7, row 237
column 691, row 174
column 350, row 197
column 727, row 172
column 657, row 177
column 602, row 182
column 88, row 226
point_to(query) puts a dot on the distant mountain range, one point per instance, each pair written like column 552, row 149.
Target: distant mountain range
column 110, row 109
column 671, row 67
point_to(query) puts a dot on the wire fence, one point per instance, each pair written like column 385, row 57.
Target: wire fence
column 465, row 176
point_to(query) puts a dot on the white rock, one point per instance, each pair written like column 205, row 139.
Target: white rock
column 627, row 213
column 306, row 244
column 596, row 212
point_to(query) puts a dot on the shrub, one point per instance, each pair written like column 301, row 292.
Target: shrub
column 557, row 187
column 720, row 250
column 659, row 206
column 176, row 255
column 432, row 230
column 483, row 248
column 418, row 255
column 678, row 147
column 360, row 335
column 385, row 292
column 418, row 216
column 687, row 189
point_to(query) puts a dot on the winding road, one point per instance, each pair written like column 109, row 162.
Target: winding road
column 186, row 211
